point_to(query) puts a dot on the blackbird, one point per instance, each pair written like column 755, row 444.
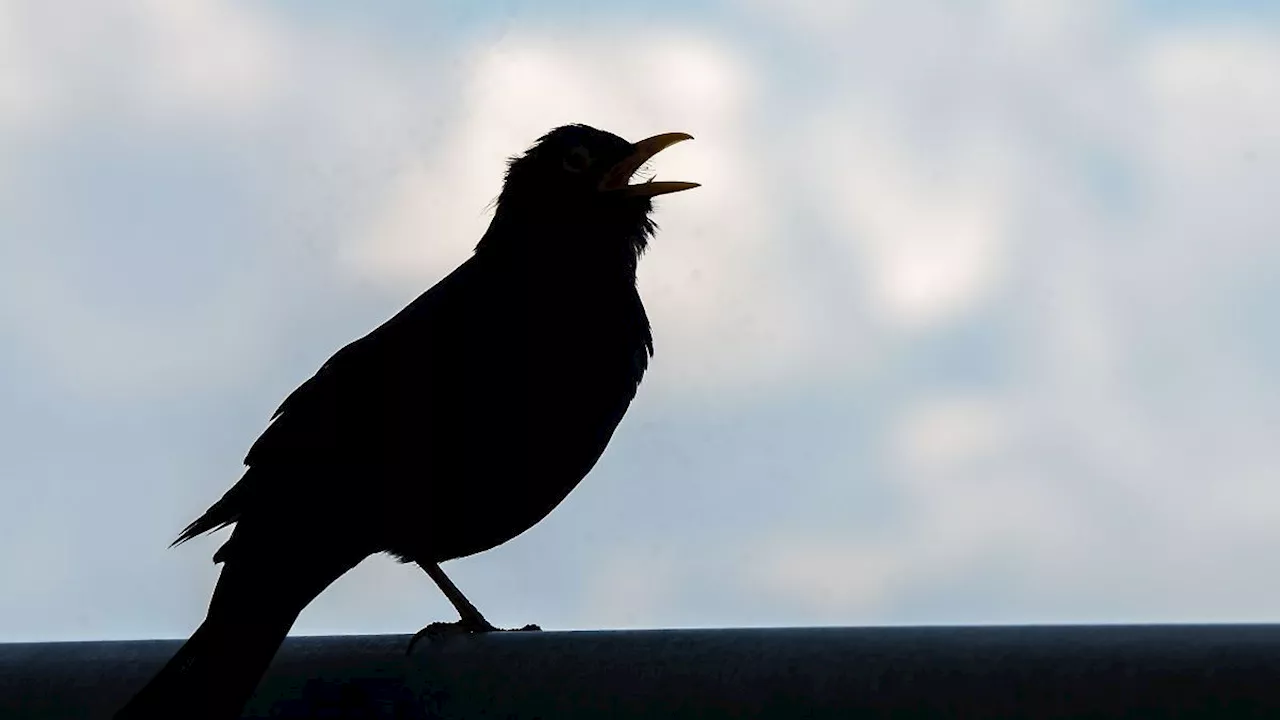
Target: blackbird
column 450, row 429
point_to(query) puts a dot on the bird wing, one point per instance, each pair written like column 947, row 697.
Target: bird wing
column 391, row 381
column 357, row 408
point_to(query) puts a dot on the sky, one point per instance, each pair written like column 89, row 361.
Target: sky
column 972, row 320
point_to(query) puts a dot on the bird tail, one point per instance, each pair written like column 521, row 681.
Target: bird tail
column 216, row 671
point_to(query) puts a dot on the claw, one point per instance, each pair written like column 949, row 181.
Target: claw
column 439, row 630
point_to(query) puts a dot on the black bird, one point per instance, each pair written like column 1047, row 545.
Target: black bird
column 450, row 429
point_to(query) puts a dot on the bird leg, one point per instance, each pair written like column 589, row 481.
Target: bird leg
column 471, row 620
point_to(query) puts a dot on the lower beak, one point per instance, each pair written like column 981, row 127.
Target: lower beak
column 615, row 180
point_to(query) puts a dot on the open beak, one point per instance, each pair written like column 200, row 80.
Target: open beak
column 616, row 179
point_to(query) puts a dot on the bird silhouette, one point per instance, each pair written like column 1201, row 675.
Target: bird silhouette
column 450, row 429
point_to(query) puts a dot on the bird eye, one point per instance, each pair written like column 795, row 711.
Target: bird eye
column 577, row 160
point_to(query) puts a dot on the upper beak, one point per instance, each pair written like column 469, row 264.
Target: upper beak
column 615, row 180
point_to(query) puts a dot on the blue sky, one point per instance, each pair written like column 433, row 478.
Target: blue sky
column 971, row 321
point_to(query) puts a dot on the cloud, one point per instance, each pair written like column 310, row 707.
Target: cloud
column 831, row 580
column 218, row 57
column 1096, row 227
column 630, row 588
column 214, row 138
column 201, row 60
column 169, row 67
column 928, row 238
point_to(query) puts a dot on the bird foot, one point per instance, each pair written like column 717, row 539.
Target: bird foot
column 439, row 630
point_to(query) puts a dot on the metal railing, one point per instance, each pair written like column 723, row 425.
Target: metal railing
column 1226, row 671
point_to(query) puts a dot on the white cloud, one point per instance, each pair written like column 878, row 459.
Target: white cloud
column 22, row 97
column 153, row 67
column 838, row 581
column 629, row 589
column 811, row 17
column 1114, row 217
column 216, row 56
column 201, row 60
column 965, row 497
column 949, row 432
column 99, row 352
column 221, row 75
column 933, row 236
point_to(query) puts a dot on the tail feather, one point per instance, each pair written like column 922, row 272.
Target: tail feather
column 213, row 674
column 216, row 671
column 224, row 512
column 259, row 595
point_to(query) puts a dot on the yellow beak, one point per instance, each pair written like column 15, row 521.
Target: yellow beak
column 615, row 180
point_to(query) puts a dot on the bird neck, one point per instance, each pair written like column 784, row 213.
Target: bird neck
column 548, row 244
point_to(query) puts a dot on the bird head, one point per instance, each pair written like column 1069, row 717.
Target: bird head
column 575, row 181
